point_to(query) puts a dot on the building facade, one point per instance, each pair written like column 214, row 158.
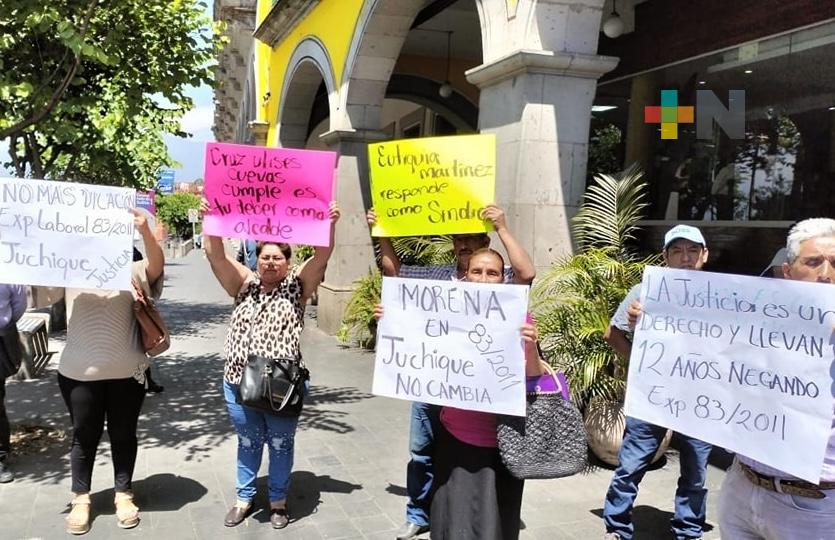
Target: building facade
column 562, row 98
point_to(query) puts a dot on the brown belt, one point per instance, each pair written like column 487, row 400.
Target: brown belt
column 790, row 487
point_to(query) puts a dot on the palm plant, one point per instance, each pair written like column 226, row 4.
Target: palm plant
column 358, row 323
column 424, row 250
column 574, row 301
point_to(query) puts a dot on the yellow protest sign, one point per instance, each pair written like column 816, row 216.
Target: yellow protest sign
column 436, row 185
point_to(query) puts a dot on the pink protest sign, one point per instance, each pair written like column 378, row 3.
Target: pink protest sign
column 278, row 194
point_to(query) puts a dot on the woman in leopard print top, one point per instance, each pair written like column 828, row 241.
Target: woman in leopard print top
column 267, row 320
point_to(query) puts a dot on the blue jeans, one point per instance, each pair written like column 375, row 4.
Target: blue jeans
column 254, row 429
column 640, row 442
column 419, row 471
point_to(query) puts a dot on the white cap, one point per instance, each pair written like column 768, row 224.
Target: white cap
column 779, row 258
column 688, row 232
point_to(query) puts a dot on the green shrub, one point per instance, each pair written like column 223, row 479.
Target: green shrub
column 358, row 323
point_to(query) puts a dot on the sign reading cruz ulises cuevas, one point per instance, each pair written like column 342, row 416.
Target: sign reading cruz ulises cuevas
column 452, row 343
column 65, row 234
column 277, row 194
column 740, row 362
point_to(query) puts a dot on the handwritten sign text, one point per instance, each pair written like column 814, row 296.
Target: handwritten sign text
column 65, row 234
column 740, row 362
column 452, row 343
column 277, row 194
column 435, row 185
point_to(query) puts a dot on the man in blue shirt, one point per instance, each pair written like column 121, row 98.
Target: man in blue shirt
column 12, row 307
column 247, row 254
column 684, row 248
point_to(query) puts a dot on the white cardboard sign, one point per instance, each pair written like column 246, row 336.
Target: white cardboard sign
column 740, row 362
column 65, row 234
column 452, row 343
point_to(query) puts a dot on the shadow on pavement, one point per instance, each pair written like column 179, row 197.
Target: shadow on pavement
column 394, row 489
column 163, row 492
column 187, row 318
column 189, row 415
column 650, row 522
column 315, row 415
column 306, row 489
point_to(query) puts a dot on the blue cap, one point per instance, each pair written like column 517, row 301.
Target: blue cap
column 688, row 232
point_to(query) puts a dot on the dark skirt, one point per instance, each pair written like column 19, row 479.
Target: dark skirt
column 476, row 497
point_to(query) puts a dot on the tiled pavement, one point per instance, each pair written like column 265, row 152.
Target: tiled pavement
column 351, row 450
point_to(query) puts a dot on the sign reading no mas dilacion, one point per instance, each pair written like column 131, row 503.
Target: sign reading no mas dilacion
column 65, row 234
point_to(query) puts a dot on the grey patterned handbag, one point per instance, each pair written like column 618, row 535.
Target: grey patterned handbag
column 549, row 442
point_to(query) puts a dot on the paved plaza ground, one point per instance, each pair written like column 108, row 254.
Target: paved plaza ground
column 351, row 450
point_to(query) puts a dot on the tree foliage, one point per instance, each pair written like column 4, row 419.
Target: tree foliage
column 89, row 87
column 173, row 211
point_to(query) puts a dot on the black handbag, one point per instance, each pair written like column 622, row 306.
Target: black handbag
column 274, row 385
column 548, row 442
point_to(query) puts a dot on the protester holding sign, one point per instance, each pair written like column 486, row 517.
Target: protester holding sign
column 419, row 470
column 102, row 376
column 684, row 248
column 761, row 502
column 476, row 497
column 267, row 320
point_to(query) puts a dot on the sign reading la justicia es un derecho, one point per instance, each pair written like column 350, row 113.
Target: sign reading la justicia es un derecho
column 744, row 363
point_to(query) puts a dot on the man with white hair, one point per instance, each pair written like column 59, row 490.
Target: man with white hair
column 760, row 502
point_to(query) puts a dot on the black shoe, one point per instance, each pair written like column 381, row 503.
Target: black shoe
column 154, row 388
column 279, row 518
column 6, row 475
column 411, row 530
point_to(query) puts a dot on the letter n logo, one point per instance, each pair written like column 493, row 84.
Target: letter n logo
column 730, row 119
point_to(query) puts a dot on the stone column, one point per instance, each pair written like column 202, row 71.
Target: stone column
column 640, row 136
column 538, row 104
column 353, row 254
column 537, row 83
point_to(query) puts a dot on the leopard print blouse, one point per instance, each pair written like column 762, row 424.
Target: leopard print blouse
column 278, row 317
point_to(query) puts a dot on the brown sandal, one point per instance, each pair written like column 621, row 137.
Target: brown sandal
column 78, row 521
column 127, row 513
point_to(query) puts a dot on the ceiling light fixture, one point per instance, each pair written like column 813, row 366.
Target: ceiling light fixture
column 446, row 88
column 613, row 26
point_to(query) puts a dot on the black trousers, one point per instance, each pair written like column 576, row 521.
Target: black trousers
column 91, row 403
column 5, row 432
